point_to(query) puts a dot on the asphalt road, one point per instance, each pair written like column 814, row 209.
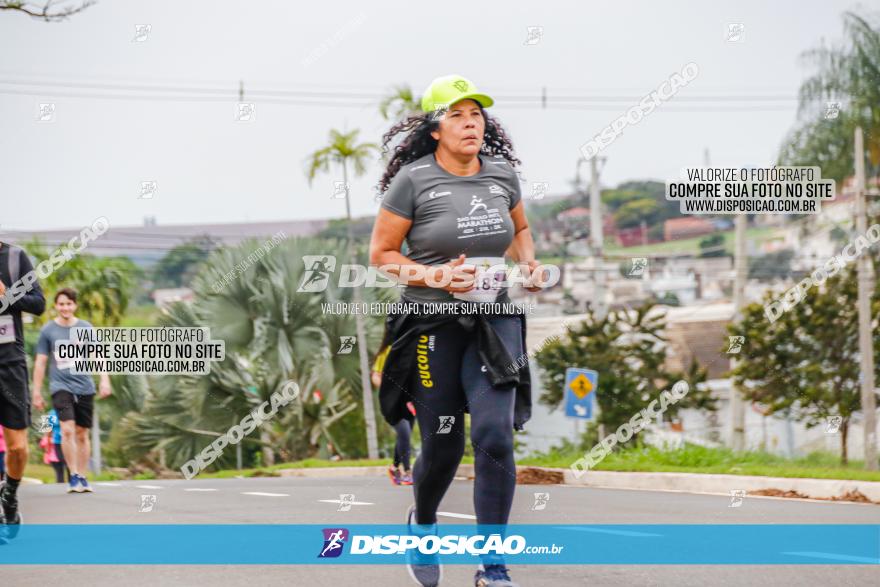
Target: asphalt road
column 291, row 500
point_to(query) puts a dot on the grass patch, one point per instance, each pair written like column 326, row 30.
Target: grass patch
column 304, row 464
column 757, row 235
column 698, row 459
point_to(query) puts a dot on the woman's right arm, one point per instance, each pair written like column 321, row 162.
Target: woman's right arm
column 388, row 234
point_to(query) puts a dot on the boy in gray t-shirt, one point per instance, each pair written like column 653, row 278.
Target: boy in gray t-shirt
column 72, row 395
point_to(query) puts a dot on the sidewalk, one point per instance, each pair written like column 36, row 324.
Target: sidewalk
column 836, row 489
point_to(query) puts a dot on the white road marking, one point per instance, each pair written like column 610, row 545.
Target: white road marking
column 454, row 515
column 349, row 502
column 106, row 484
column 200, row 489
column 264, row 494
column 148, row 486
column 837, row 557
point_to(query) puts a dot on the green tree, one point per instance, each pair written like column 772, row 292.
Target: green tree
column 634, row 212
column 846, row 74
column 104, row 285
column 627, row 348
column 399, row 104
column 343, row 150
column 273, row 334
column 712, row 245
column 807, row 360
column 178, row 267
column 775, row 265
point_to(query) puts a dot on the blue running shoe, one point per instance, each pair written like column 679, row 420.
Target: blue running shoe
column 84, row 485
column 493, row 576
column 73, row 485
column 425, row 569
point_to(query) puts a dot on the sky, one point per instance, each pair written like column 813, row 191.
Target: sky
column 161, row 106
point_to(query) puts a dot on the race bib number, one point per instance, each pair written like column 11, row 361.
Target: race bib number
column 7, row 329
column 490, row 278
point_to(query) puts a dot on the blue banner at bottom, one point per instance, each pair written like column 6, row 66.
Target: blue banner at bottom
column 521, row 544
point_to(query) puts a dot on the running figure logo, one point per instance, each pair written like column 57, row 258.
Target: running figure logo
column 832, row 426
column 541, row 500
column 476, row 204
column 334, row 540
column 148, row 502
column 46, row 423
column 639, row 264
column 346, row 344
column 736, row 497
column 446, row 423
column 345, row 502
column 317, row 274
column 736, row 343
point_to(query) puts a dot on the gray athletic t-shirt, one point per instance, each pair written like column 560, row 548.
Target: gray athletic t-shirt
column 60, row 377
column 453, row 215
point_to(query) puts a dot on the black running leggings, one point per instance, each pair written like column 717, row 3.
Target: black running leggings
column 449, row 377
column 401, row 447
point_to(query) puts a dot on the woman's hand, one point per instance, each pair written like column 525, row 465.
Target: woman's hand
column 455, row 276
column 528, row 271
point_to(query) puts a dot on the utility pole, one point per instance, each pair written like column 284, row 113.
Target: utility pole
column 741, row 274
column 366, row 386
column 865, row 282
column 96, row 441
column 596, row 237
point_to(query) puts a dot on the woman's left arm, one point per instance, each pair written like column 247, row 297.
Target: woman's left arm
column 522, row 249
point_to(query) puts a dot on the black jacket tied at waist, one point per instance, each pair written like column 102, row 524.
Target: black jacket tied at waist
column 403, row 330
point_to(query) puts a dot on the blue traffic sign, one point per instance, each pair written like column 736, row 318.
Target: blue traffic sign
column 580, row 387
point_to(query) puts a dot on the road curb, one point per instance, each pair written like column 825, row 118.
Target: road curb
column 687, row 482
column 714, row 483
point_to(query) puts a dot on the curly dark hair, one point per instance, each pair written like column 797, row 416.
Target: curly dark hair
column 418, row 142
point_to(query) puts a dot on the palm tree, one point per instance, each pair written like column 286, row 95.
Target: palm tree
column 341, row 150
column 399, row 104
column 273, row 334
column 847, row 74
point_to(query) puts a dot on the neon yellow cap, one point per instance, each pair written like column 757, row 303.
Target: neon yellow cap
column 449, row 89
